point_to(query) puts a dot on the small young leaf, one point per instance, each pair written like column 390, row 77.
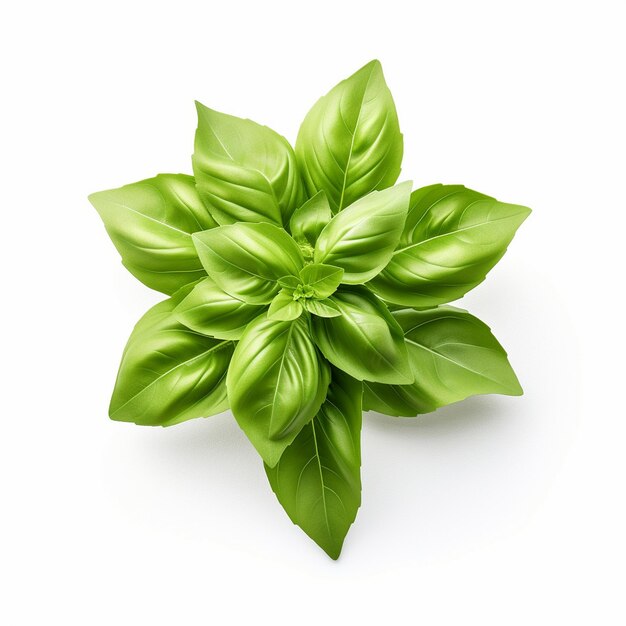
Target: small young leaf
column 209, row 310
column 308, row 220
column 289, row 282
column 323, row 279
column 453, row 355
column 284, row 308
column 365, row 341
column 322, row 308
column 150, row 224
column 169, row 373
column 245, row 172
column 247, row 260
column 452, row 238
column 350, row 143
column 276, row 383
column 361, row 239
column 317, row 479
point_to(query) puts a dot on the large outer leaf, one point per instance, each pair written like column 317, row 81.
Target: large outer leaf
column 169, row 373
column 453, row 236
column 245, row 172
column 365, row 341
column 150, row 224
column 209, row 310
column 361, row 239
column 276, row 383
column 246, row 260
column 350, row 143
column 453, row 355
column 317, row 479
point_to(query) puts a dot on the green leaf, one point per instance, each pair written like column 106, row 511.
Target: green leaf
column 150, row 224
column 169, row 373
column 289, row 282
column 365, row 341
column 452, row 237
column 209, row 310
column 361, row 239
column 246, row 260
column 350, row 143
column 308, row 220
column 284, row 308
column 323, row 279
column 317, row 480
column 244, row 172
column 453, row 355
column 323, row 308
column 276, row 383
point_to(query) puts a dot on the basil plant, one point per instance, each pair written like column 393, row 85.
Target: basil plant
column 304, row 286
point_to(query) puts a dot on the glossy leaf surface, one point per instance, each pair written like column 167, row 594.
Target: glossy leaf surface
column 350, row 142
column 365, row 341
column 150, row 223
column 323, row 308
column 276, row 383
column 209, row 310
column 453, row 236
column 284, row 308
column 246, row 260
column 244, row 172
column 453, row 355
column 361, row 239
column 168, row 372
column 317, row 479
column 323, row 279
column 308, row 220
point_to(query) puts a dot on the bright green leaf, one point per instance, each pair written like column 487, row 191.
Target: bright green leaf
column 317, row 479
column 323, row 308
column 150, row 224
column 284, row 308
column 453, row 355
column 323, row 279
column 365, row 341
column 246, row 260
column 244, row 172
column 361, row 239
column 308, row 220
column 169, row 373
column 453, row 236
column 209, row 310
column 276, row 383
column 350, row 143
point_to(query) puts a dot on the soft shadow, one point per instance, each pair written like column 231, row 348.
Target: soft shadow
column 471, row 413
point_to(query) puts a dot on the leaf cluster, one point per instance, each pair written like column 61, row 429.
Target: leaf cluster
column 305, row 285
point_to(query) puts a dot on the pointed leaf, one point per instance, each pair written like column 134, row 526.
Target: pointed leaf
column 169, row 373
column 246, row 260
column 209, row 310
column 361, row 239
column 284, row 308
column 245, row 172
column 276, row 383
column 308, row 220
column 365, row 341
column 350, row 143
column 453, row 236
column 150, row 224
column 453, row 355
column 323, row 308
column 323, row 279
column 317, row 480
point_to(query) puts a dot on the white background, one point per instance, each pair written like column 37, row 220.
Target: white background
column 495, row 511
